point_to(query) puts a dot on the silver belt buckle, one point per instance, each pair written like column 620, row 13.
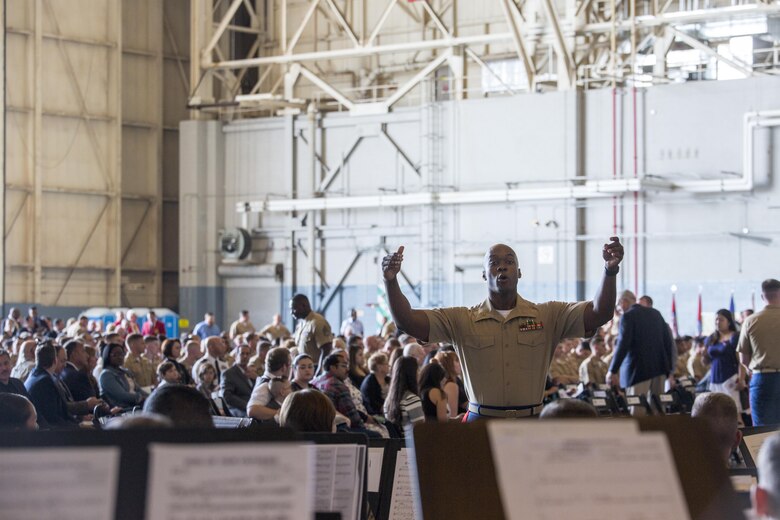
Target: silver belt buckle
column 514, row 414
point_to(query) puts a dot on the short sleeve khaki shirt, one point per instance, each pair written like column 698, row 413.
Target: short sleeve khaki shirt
column 505, row 361
column 311, row 334
column 760, row 337
column 142, row 369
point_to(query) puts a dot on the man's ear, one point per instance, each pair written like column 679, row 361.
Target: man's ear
column 484, row 276
column 519, row 274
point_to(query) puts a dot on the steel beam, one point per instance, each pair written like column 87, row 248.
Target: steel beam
column 742, row 67
column 520, row 47
column 223, row 24
column 409, row 85
column 289, row 47
column 559, row 43
column 327, row 87
column 328, row 299
column 380, row 23
column 401, row 152
column 343, row 22
column 327, row 181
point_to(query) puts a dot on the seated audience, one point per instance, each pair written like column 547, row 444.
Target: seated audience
column 117, row 384
column 308, row 410
column 766, row 495
column 332, row 383
column 183, row 405
column 167, row 374
column 191, row 355
column 594, row 370
column 395, row 355
column 277, row 364
column 207, row 386
column 137, row 364
column 457, row 401
column 25, row 363
column 416, row 351
column 375, row 385
column 214, row 356
column 403, row 406
column 257, row 361
column 303, row 373
column 434, row 399
column 8, row 384
column 44, row 393
column 569, row 409
column 357, row 360
column 720, row 413
column 236, row 386
column 279, row 387
column 562, row 370
column 78, row 408
column 17, row 413
column 152, row 350
column 75, row 374
column 171, row 351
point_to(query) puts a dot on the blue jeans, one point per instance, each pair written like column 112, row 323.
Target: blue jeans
column 765, row 399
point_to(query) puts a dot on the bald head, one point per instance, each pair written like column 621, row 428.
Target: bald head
column 626, row 300
column 500, row 269
column 416, row 351
column 215, row 346
column 300, row 306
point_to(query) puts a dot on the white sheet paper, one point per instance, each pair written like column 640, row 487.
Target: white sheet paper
column 375, row 456
column 263, row 481
column 754, row 443
column 588, row 472
column 339, row 475
column 402, row 498
column 58, row 483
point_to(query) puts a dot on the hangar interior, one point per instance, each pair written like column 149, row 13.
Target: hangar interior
column 146, row 143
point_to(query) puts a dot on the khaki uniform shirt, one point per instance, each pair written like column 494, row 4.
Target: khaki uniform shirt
column 760, row 337
column 143, row 370
column 682, row 364
column 505, row 361
column 563, row 372
column 593, row 370
column 388, row 329
column 696, row 368
column 276, row 331
column 239, row 327
column 311, row 334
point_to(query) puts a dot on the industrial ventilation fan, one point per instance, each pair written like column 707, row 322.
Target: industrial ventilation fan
column 235, row 244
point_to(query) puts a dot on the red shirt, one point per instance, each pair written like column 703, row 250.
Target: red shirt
column 148, row 330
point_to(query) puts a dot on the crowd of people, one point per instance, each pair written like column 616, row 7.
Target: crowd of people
column 57, row 374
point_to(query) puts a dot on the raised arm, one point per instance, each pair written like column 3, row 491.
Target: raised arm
column 602, row 308
column 413, row 322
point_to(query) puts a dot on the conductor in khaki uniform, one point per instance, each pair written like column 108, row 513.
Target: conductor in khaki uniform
column 506, row 343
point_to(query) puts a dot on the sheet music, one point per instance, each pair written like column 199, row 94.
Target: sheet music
column 402, row 498
column 339, row 475
column 375, row 457
column 754, row 443
column 585, row 472
column 262, row 481
column 59, row 483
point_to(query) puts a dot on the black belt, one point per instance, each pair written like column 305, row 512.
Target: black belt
column 505, row 412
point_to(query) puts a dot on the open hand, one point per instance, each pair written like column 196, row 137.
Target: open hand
column 613, row 253
column 391, row 264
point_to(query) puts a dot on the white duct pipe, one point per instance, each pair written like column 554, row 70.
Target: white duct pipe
column 588, row 190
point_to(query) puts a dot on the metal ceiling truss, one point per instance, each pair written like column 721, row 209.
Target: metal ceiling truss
column 561, row 44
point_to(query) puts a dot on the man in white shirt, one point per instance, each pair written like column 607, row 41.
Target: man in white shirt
column 352, row 326
column 215, row 350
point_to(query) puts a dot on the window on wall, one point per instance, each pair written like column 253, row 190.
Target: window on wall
column 503, row 74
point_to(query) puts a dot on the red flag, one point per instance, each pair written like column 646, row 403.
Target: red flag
column 675, row 330
column 698, row 317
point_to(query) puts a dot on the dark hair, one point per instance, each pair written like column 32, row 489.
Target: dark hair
column 404, row 379
column 71, row 346
column 355, row 369
column 150, row 337
column 105, row 353
column 770, row 285
column 164, row 367
column 353, row 339
column 307, row 411
column 276, row 358
column 14, row 411
column 568, row 409
column 167, row 347
column 301, row 357
column 332, row 359
column 184, row 405
column 431, row 376
column 724, row 313
column 45, row 355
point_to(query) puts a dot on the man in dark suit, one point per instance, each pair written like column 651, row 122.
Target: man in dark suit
column 45, row 393
column 643, row 351
column 75, row 375
column 236, row 385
